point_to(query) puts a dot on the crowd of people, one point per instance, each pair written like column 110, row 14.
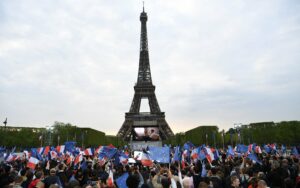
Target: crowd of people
column 275, row 171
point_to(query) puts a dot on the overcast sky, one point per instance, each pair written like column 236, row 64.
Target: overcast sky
column 212, row 62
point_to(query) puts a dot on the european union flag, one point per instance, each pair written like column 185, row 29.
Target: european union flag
column 177, row 154
column 70, row 146
column 121, row 181
column 242, row 148
column 188, row 145
column 230, row 151
column 108, row 152
column 201, row 154
column 159, row 154
column 267, row 149
column 253, row 157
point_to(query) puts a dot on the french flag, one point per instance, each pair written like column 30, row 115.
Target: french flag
column 78, row 159
column 26, row 154
column 9, row 158
column 216, row 154
column 69, row 159
column 88, row 152
column 53, row 154
column 146, row 161
column 182, row 161
column 123, row 159
column 32, row 162
column 99, row 149
column 273, row 146
column 102, row 160
column 110, row 180
column 258, row 149
column 209, row 154
column 46, row 150
column 40, row 150
column 250, row 148
column 60, row 149
column 194, row 154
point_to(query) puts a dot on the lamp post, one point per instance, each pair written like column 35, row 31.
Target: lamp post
column 237, row 127
column 5, row 122
column 223, row 139
column 48, row 134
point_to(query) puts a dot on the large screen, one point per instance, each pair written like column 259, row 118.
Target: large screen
column 146, row 134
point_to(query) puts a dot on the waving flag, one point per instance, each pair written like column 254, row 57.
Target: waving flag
column 251, row 147
column 78, row 159
column 88, row 152
column 26, row 154
column 188, row 145
column 258, row 149
column 121, row 181
column 123, row 158
column 35, row 153
column 182, row 161
column 60, row 149
column 216, row 154
column 46, row 150
column 159, row 154
column 230, row 151
column 253, row 157
column 267, row 149
column 107, row 152
column 242, row 148
column 209, row 154
column 273, row 147
column 194, row 153
column 40, row 150
column 53, row 154
column 32, row 162
column 98, row 150
column 69, row 159
column 9, row 158
column 110, row 180
column 145, row 159
column 201, row 155
column 70, row 146
column 177, row 154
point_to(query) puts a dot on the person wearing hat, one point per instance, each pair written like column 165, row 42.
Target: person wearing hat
column 52, row 179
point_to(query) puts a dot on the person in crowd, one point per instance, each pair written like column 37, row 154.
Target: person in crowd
column 29, row 177
column 52, row 179
column 262, row 184
column 232, row 172
column 38, row 177
column 235, row 182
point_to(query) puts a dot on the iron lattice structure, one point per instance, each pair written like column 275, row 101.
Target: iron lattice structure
column 144, row 89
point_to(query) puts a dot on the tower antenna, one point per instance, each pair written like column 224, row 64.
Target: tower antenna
column 143, row 7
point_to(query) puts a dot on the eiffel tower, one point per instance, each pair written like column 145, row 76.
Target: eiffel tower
column 144, row 89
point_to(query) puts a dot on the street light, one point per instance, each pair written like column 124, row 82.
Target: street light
column 5, row 122
column 237, row 127
column 48, row 134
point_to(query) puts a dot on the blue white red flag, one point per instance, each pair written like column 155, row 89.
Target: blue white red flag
column 88, row 152
column 60, row 149
column 32, row 162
